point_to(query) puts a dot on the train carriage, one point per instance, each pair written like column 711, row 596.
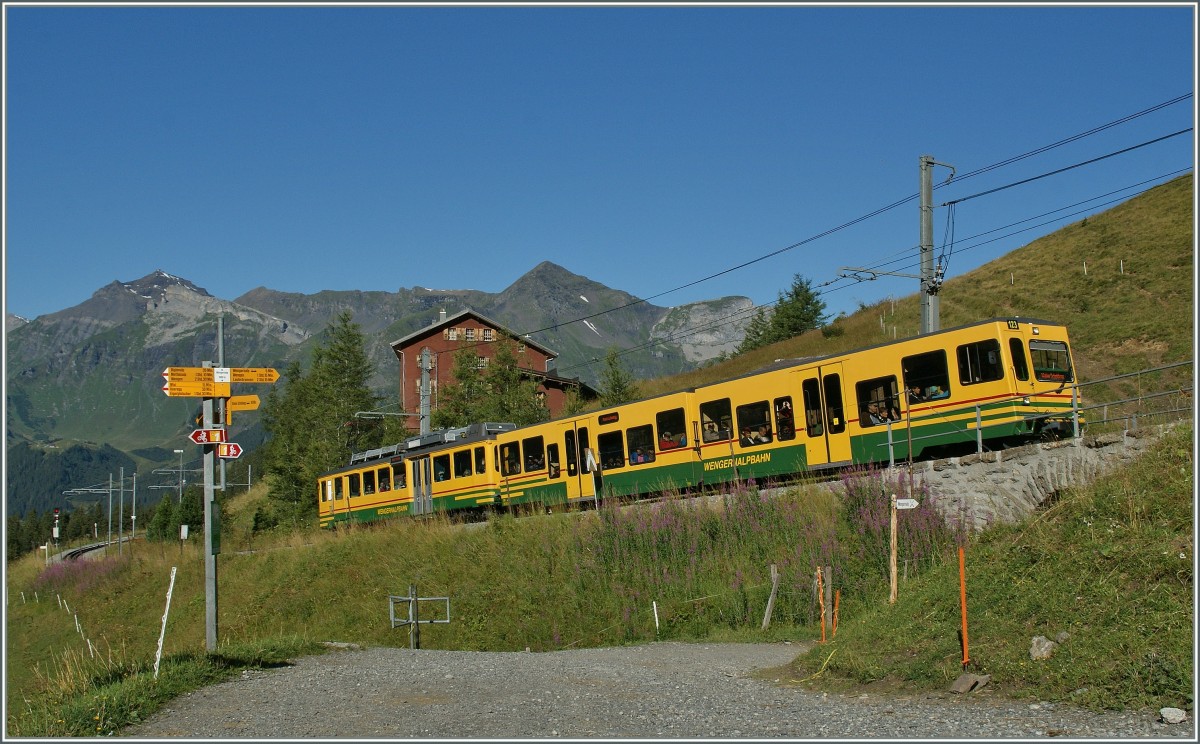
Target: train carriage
column 996, row 381
column 441, row 471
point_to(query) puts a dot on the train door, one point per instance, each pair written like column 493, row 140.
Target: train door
column 824, row 415
column 422, row 486
column 580, row 467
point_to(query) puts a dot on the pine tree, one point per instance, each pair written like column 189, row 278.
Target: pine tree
column 756, row 331
column 512, row 394
column 312, row 421
column 616, row 384
column 797, row 311
column 461, row 402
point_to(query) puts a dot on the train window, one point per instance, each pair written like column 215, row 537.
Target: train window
column 811, row 390
column 1020, row 363
column 928, row 374
column 754, row 424
column 462, row 463
column 834, row 413
column 878, row 401
column 785, row 419
column 385, row 479
column 535, row 453
column 338, row 487
column 441, row 467
column 553, row 463
column 353, row 485
column 480, row 461
column 572, row 453
column 369, row 482
column 612, row 450
column 717, row 420
column 1051, row 362
column 327, row 492
column 510, row 459
column 980, row 362
column 399, row 476
column 672, row 429
column 641, row 444
column 584, row 445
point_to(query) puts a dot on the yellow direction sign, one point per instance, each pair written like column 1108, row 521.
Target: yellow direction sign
column 188, row 374
column 239, row 403
column 242, row 403
column 196, row 389
column 247, row 374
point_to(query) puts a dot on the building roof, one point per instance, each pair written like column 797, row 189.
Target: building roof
column 438, row 325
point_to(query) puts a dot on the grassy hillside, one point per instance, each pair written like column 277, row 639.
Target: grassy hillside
column 1111, row 565
column 1133, row 309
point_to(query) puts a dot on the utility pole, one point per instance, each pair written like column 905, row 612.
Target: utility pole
column 426, row 365
column 180, row 453
column 931, row 279
column 121, row 513
column 211, row 542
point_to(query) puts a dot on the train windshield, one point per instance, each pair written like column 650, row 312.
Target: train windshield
column 1051, row 361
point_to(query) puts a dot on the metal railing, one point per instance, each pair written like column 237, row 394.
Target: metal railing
column 1076, row 410
column 414, row 621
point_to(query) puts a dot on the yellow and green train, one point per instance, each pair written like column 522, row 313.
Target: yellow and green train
column 998, row 381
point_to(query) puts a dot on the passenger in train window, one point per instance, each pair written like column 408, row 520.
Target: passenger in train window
column 763, row 436
column 747, row 438
column 666, row 442
column 710, row 432
column 915, row 395
column 873, row 418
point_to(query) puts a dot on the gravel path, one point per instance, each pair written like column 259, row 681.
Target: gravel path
column 661, row 690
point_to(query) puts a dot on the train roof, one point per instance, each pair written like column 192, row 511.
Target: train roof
column 432, row 440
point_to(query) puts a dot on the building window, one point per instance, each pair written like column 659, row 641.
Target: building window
column 469, row 334
column 452, row 334
column 489, row 334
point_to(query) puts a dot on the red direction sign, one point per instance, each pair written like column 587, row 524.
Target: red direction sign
column 207, row 436
column 229, row 451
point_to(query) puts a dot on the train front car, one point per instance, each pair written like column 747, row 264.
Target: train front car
column 1049, row 398
column 987, row 384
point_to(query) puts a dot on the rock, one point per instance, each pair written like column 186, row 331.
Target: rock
column 1062, row 636
column 1172, row 715
column 968, row 682
column 1042, row 648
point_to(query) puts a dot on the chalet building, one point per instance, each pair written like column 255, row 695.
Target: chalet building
column 445, row 336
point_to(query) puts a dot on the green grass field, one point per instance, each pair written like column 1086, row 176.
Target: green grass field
column 1111, row 565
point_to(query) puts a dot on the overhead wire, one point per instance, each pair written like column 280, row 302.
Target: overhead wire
column 884, row 209
column 902, row 255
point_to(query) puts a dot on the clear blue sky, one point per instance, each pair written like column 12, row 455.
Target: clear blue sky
column 374, row 148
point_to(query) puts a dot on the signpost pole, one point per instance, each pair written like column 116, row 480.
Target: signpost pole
column 210, row 555
column 892, row 556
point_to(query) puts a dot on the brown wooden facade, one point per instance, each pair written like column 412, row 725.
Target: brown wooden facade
column 445, row 336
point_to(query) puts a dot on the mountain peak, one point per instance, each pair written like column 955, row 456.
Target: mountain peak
column 154, row 285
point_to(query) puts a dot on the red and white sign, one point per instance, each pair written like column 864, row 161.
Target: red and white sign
column 207, row 436
column 229, row 451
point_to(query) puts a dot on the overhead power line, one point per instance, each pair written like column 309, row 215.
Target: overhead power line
column 1069, row 167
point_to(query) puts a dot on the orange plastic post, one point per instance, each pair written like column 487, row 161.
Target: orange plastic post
column 962, row 591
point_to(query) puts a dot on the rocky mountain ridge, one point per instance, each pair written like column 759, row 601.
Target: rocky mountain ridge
column 93, row 372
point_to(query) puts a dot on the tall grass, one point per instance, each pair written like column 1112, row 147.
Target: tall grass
column 1102, row 564
column 1111, row 567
